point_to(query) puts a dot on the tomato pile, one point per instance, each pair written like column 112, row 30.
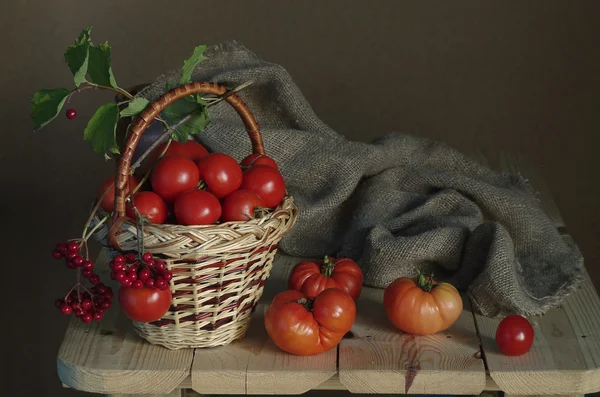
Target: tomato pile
column 190, row 186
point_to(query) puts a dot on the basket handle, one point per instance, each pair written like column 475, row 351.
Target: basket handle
column 144, row 120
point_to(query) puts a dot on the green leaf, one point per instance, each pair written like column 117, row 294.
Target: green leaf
column 190, row 64
column 181, row 108
column 99, row 66
column 134, row 107
column 46, row 104
column 77, row 56
column 101, row 129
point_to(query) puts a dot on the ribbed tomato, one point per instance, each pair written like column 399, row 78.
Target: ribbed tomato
column 422, row 306
column 312, row 277
column 304, row 326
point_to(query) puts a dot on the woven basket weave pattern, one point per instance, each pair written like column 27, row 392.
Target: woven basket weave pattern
column 219, row 271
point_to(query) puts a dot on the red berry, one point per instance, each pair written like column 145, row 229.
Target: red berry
column 66, row 309
column 147, row 256
column 69, row 299
column 101, row 289
column 160, row 283
column 59, row 303
column 78, row 312
column 62, row 247
column 75, row 305
column 120, row 277
column 168, row 276
column 109, row 294
column 86, row 318
column 119, row 259
column 95, row 279
column 97, row 316
column 138, row 284
column 72, row 247
column 87, row 273
column 71, row 114
column 127, row 282
column 86, row 304
column 160, row 266
column 77, row 260
column 87, row 265
column 71, row 265
column 57, row 254
column 150, row 283
column 144, row 274
column 106, row 305
column 132, row 275
column 151, row 263
column 130, row 258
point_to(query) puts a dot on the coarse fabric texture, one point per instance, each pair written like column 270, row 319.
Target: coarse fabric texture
column 396, row 204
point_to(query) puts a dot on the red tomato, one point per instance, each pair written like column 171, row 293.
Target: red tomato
column 258, row 159
column 305, row 327
column 312, row 277
column 221, row 174
column 422, row 306
column 191, row 149
column 108, row 202
column 173, row 175
column 149, row 204
column 514, row 335
column 267, row 182
column 241, row 205
column 197, row 207
column 144, row 304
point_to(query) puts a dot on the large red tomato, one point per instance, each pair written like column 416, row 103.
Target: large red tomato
column 221, row 173
column 421, row 306
column 197, row 207
column 150, row 205
column 108, row 201
column 514, row 335
column 258, row 159
column 312, row 277
column 191, row 149
column 241, row 205
column 304, row 326
column 173, row 175
column 267, row 182
column 144, row 304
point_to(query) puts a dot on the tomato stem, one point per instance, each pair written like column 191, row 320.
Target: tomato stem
column 307, row 303
column 328, row 266
column 425, row 282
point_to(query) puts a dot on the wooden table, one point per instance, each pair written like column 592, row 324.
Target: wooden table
column 109, row 358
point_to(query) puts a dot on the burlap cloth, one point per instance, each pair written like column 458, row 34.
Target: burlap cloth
column 399, row 203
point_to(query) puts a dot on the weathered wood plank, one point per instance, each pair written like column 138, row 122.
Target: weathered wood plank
column 109, row 358
column 517, row 164
column 381, row 359
column 254, row 365
column 174, row 393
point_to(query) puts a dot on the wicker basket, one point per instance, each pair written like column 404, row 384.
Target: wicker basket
column 218, row 270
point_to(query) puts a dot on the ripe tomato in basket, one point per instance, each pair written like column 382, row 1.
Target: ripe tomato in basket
column 312, row 277
column 144, row 304
column 197, row 207
column 241, row 205
column 304, row 326
column 258, row 159
column 150, row 205
column 108, row 201
column 267, row 182
column 173, row 175
column 221, row 173
column 191, row 149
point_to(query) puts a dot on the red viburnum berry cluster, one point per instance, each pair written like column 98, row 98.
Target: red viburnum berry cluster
column 129, row 271
column 86, row 304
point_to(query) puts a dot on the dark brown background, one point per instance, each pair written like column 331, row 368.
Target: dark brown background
column 520, row 76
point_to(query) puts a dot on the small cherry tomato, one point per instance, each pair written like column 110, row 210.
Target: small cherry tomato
column 514, row 335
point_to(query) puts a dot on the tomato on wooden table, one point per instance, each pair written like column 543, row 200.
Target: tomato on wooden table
column 304, row 326
column 422, row 306
column 312, row 277
column 514, row 335
column 144, row 304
